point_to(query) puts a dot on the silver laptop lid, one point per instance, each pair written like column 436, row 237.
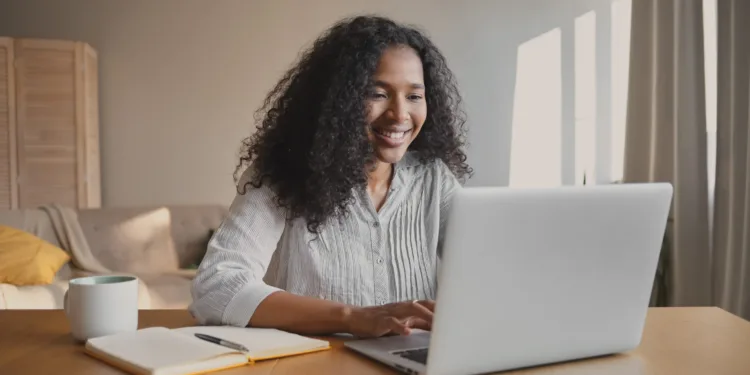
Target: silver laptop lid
column 534, row 276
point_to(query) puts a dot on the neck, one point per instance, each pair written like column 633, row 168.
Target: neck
column 379, row 176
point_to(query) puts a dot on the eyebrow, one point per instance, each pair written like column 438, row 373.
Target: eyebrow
column 413, row 85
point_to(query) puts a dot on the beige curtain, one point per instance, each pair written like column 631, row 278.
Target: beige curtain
column 666, row 134
column 731, row 250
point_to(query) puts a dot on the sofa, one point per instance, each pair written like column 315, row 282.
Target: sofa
column 160, row 245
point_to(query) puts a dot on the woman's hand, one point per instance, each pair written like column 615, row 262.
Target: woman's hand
column 395, row 318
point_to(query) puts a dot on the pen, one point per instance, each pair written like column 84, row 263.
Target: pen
column 216, row 340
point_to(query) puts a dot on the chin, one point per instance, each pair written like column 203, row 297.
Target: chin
column 391, row 156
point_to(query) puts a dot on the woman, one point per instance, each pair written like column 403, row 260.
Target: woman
column 337, row 223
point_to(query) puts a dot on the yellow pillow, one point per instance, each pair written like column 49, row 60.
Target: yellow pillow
column 26, row 259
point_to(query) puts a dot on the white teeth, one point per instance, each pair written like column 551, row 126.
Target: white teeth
column 395, row 135
column 392, row 135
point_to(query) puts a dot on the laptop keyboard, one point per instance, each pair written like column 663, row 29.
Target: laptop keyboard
column 416, row 355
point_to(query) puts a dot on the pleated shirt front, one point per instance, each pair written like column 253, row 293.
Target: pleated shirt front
column 364, row 258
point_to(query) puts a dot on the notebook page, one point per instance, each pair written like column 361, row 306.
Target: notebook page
column 158, row 348
column 259, row 341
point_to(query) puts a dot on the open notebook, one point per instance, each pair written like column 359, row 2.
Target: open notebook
column 163, row 351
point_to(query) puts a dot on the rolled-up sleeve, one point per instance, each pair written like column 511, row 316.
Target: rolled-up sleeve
column 229, row 285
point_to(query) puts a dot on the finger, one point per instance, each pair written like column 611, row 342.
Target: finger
column 416, row 323
column 388, row 326
column 417, row 310
column 397, row 327
column 429, row 304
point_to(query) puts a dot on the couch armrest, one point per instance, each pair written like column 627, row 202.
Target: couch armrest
column 34, row 297
column 186, row 273
column 3, row 304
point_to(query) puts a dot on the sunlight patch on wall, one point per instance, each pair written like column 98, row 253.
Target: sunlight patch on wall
column 585, row 97
column 537, row 113
column 710, row 53
column 620, row 61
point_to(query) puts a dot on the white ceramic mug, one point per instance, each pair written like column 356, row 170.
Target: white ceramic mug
column 101, row 305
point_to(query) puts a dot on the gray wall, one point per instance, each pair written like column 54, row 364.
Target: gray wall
column 180, row 79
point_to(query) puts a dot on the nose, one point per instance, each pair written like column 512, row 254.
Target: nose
column 398, row 111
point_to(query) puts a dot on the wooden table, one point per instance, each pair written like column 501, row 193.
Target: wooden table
column 676, row 341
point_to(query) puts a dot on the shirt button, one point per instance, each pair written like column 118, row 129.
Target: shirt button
column 380, row 260
column 376, row 224
column 382, row 302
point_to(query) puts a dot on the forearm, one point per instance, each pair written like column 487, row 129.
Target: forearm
column 303, row 315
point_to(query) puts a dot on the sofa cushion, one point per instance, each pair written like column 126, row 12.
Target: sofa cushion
column 192, row 227
column 26, row 259
column 183, row 230
column 131, row 240
column 168, row 291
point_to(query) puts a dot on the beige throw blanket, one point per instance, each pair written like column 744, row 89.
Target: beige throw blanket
column 70, row 235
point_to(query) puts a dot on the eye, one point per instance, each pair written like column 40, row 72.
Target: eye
column 415, row 97
column 378, row 95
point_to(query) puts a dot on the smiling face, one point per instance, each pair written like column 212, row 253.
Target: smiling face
column 396, row 107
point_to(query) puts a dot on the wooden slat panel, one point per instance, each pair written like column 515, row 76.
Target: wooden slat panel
column 91, row 100
column 43, row 45
column 50, row 151
column 8, row 171
column 80, row 86
column 45, row 135
column 5, row 199
column 51, row 172
column 37, row 196
column 46, row 89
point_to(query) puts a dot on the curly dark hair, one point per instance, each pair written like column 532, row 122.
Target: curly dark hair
column 311, row 142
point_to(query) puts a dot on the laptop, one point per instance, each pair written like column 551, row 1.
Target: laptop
column 535, row 276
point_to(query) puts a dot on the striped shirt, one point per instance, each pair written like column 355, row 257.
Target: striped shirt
column 366, row 258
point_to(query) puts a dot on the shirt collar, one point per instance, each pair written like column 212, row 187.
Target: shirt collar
column 410, row 159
